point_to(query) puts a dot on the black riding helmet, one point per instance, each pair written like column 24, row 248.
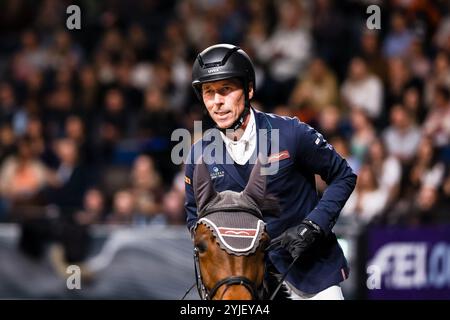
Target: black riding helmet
column 224, row 61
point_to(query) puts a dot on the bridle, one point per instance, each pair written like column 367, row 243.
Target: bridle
column 205, row 294
column 257, row 293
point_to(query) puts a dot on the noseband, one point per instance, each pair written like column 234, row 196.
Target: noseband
column 205, row 294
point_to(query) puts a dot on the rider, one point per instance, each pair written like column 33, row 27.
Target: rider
column 223, row 79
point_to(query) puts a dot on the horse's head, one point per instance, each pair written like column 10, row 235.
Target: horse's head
column 230, row 238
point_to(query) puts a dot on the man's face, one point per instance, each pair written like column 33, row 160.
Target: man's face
column 224, row 100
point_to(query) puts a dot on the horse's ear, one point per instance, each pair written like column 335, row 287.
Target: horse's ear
column 203, row 187
column 256, row 186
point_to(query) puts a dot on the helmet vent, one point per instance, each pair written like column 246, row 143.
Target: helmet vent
column 217, row 63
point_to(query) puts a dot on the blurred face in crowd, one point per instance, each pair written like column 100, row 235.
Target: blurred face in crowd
column 154, row 99
column 35, row 81
column 114, row 101
column 398, row 71
column 411, row 99
column 25, row 150
column 358, row 69
column 67, row 151
column 440, row 98
column 369, row 42
column 366, row 179
column 399, row 117
column 340, row 146
column 143, row 173
column 224, row 100
column 123, row 203
column 88, row 77
column 427, row 197
column 398, row 22
column 62, row 98
column 6, row 135
column 29, row 40
column 441, row 63
column 425, row 149
column 62, row 40
column 6, row 95
column 359, row 120
column 74, row 128
column 317, row 69
column 329, row 118
column 289, row 13
column 34, row 128
column 93, row 201
column 376, row 150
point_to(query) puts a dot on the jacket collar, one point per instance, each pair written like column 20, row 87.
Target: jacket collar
column 262, row 122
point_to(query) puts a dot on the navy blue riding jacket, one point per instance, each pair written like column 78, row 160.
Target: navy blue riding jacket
column 303, row 152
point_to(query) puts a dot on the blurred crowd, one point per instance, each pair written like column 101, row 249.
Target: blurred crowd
column 86, row 116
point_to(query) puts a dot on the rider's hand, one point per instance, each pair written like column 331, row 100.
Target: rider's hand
column 298, row 239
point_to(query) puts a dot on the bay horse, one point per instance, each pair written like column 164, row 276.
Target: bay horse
column 230, row 237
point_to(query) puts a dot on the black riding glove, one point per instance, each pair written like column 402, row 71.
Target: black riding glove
column 298, row 239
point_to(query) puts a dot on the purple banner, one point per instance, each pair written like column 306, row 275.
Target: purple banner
column 408, row 263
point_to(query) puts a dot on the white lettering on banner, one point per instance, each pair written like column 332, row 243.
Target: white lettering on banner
column 404, row 266
column 440, row 266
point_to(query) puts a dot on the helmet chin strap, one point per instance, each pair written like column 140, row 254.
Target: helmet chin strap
column 241, row 119
column 238, row 123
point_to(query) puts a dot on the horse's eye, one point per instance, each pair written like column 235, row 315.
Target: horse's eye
column 201, row 246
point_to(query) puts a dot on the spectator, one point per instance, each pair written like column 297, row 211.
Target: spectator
column 341, row 146
column 30, row 59
column 146, row 188
column 369, row 198
column 371, row 53
column 439, row 77
column 402, row 137
column 62, row 54
column 22, row 178
column 124, row 209
column 399, row 38
column 89, row 91
column 331, row 123
column 286, row 52
column 363, row 134
column 362, row 90
column 424, row 208
column 387, row 168
column 112, row 125
column 442, row 35
column 7, row 142
column 70, row 180
column 426, row 168
column 399, row 78
column 8, row 104
column 35, row 131
column 317, row 89
column 437, row 123
column 419, row 64
column 413, row 103
column 93, row 208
